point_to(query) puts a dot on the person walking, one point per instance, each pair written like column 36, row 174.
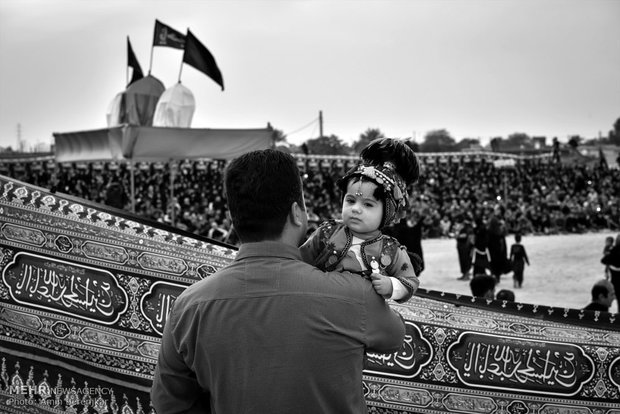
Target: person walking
column 518, row 259
column 270, row 333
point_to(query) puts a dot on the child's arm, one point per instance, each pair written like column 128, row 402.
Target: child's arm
column 402, row 277
column 389, row 287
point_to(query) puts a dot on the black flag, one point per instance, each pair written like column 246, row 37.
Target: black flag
column 199, row 57
column 167, row 36
column 132, row 62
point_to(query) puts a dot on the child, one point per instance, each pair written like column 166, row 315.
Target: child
column 375, row 196
column 518, row 258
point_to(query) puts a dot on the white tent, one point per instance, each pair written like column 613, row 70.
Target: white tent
column 141, row 143
column 175, row 108
column 115, row 109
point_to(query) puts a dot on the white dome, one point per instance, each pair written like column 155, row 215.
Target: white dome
column 113, row 114
column 175, row 108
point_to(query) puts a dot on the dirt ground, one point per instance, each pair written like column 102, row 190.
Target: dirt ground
column 562, row 271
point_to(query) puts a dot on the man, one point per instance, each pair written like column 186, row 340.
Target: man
column 270, row 333
column 603, row 294
column 483, row 286
column 497, row 243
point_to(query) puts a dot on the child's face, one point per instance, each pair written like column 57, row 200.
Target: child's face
column 361, row 211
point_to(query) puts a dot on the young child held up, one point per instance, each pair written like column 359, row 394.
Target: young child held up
column 374, row 196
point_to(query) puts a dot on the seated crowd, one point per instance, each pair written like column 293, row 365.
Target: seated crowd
column 534, row 197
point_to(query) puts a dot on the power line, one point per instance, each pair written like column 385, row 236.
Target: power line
column 303, row 127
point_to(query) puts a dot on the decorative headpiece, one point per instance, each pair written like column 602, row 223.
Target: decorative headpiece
column 395, row 188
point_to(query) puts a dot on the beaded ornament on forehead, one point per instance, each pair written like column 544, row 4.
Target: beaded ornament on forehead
column 359, row 192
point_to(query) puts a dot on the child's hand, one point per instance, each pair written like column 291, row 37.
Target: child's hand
column 382, row 284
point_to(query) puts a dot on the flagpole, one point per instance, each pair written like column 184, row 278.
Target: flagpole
column 180, row 70
column 151, row 62
column 183, row 59
column 172, row 166
column 133, row 186
column 127, row 66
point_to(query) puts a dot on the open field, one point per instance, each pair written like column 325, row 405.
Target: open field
column 562, row 272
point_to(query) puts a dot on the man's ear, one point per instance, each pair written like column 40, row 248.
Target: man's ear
column 296, row 214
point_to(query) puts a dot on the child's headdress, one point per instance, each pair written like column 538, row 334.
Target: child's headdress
column 398, row 152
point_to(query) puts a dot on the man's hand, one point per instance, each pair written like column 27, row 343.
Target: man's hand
column 382, row 284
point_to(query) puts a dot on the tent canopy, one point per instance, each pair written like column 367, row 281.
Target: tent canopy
column 141, row 143
column 175, row 108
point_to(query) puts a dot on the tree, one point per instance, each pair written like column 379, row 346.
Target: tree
column 574, row 141
column 331, row 145
column 366, row 138
column 517, row 139
column 438, row 140
column 467, row 143
column 615, row 133
column 278, row 135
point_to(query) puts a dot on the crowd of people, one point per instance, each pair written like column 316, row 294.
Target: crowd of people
column 531, row 198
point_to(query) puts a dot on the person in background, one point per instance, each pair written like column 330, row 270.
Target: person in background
column 505, row 294
column 603, row 294
column 612, row 260
column 483, row 286
column 408, row 232
column 496, row 228
column 481, row 258
column 270, row 333
column 518, row 259
column 115, row 195
column 609, row 243
column 464, row 246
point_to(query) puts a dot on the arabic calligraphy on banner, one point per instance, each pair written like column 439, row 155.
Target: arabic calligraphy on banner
column 415, row 353
column 491, row 361
column 81, row 291
column 157, row 303
column 614, row 372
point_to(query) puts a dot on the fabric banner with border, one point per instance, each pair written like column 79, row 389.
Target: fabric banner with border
column 86, row 291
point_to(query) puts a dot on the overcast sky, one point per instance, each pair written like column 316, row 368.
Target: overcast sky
column 477, row 68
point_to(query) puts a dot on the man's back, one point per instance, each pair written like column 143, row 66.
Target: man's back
column 273, row 334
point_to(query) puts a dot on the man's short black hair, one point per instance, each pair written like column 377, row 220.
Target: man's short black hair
column 260, row 188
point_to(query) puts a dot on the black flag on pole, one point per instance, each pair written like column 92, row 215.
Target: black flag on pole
column 132, row 62
column 198, row 56
column 167, row 36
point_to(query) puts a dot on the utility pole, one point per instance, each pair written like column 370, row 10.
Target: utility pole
column 320, row 124
column 20, row 144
